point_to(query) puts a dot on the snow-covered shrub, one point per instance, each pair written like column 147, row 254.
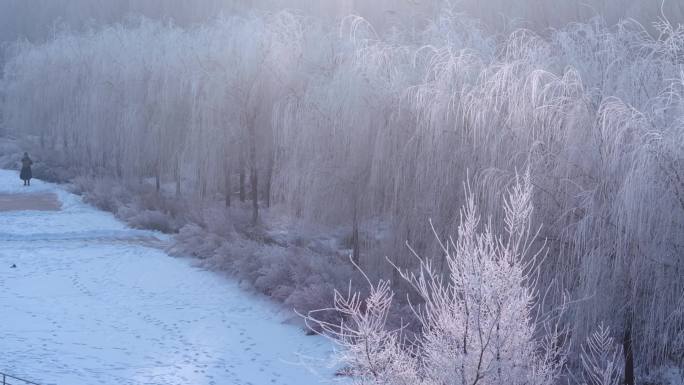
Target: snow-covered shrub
column 315, row 278
column 274, row 275
column 480, row 320
column 304, row 281
column 601, row 358
column 10, row 153
column 105, row 194
column 190, row 240
column 151, row 219
column 194, row 240
column 296, row 276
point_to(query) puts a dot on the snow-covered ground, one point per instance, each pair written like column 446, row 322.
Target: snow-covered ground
column 94, row 302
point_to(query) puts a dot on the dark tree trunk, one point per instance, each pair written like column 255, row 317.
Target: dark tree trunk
column 229, row 185
column 89, row 164
column 119, row 166
column 157, row 176
column 254, row 179
column 242, row 178
column 269, row 176
column 253, row 169
column 255, row 195
column 356, row 249
column 202, row 184
column 176, row 175
column 628, row 351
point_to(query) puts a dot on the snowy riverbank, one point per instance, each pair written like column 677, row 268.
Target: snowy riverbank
column 94, row 302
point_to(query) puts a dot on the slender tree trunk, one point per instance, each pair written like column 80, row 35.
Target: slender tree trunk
column 628, row 351
column 119, row 166
column 356, row 249
column 255, row 195
column 254, row 176
column 202, row 185
column 242, row 177
column 157, row 176
column 89, row 163
column 160, row 160
column 229, row 177
column 269, row 176
column 176, row 175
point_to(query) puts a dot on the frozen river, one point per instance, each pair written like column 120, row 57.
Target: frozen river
column 94, row 302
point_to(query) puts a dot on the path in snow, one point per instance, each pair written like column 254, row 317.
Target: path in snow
column 37, row 201
column 88, row 304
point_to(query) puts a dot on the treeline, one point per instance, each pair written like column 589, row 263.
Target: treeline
column 374, row 131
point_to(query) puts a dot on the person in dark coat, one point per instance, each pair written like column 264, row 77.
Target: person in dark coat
column 26, row 173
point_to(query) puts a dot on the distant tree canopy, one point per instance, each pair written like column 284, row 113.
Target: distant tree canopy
column 36, row 20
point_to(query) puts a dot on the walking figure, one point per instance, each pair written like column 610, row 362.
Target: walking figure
column 26, row 174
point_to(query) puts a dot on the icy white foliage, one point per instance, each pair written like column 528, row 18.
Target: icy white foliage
column 480, row 320
column 601, row 359
column 347, row 124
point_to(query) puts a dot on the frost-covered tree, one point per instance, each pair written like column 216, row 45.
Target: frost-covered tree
column 480, row 319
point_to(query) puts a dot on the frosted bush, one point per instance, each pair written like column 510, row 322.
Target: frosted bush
column 480, row 321
column 601, row 358
column 152, row 219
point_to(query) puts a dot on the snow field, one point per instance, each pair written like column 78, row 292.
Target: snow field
column 90, row 302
